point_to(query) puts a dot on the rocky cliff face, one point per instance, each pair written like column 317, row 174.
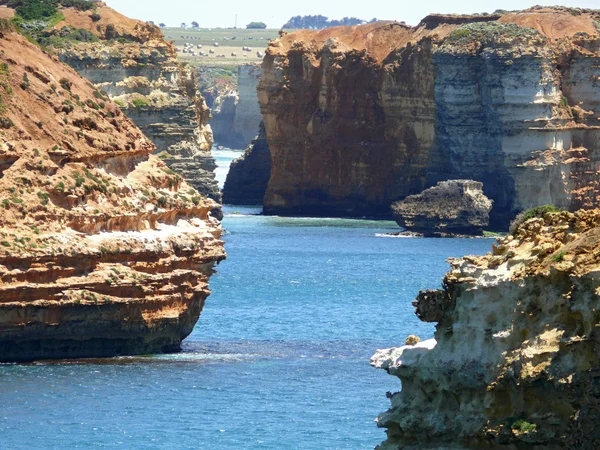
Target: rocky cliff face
column 236, row 114
column 515, row 359
column 247, row 113
column 103, row 249
column 448, row 208
column 249, row 174
column 359, row 117
column 135, row 66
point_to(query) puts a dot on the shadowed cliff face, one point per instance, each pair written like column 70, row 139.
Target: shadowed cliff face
column 515, row 359
column 359, row 117
column 103, row 249
column 135, row 66
column 249, row 174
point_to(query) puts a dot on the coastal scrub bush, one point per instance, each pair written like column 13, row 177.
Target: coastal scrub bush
column 597, row 25
column 493, row 35
column 523, row 426
column 25, row 84
column 140, row 103
column 65, row 84
column 538, row 211
column 35, row 9
column 559, row 257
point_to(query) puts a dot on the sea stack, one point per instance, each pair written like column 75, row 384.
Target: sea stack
column 456, row 207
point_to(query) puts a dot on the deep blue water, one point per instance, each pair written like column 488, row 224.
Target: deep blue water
column 278, row 360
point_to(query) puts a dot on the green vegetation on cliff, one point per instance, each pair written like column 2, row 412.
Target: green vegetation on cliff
column 45, row 9
column 492, row 36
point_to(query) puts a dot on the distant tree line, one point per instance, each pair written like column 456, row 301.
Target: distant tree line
column 319, row 22
column 256, row 26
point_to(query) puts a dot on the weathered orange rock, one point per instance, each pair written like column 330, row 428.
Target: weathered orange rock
column 359, row 117
column 103, row 249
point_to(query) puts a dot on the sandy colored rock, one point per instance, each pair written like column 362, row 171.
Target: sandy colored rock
column 103, row 249
column 359, row 117
column 514, row 363
column 134, row 65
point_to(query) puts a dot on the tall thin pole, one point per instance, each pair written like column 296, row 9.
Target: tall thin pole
column 235, row 21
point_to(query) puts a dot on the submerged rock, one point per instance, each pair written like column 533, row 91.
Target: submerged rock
column 103, row 249
column 249, row 174
column 450, row 207
column 516, row 357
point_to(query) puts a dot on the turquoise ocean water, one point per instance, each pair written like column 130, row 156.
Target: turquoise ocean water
column 278, row 360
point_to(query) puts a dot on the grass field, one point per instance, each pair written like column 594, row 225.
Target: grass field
column 229, row 40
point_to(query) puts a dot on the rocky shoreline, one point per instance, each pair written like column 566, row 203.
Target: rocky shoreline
column 515, row 355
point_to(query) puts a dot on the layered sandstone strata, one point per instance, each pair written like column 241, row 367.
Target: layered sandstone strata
column 516, row 356
column 103, row 249
column 450, row 207
column 359, row 117
column 249, row 174
column 136, row 67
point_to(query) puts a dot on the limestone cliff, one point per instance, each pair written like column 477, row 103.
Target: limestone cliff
column 358, row 117
column 133, row 64
column 236, row 113
column 249, row 174
column 103, row 249
column 516, row 357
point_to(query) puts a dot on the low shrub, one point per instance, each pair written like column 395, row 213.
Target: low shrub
column 538, row 211
column 140, row 103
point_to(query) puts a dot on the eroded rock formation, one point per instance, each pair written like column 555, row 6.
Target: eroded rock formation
column 450, row 207
column 103, row 249
column 236, row 113
column 359, row 117
column 249, row 174
column 136, row 67
column 516, row 357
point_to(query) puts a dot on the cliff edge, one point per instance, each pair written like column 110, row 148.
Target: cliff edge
column 359, row 117
column 132, row 63
column 515, row 359
column 103, row 249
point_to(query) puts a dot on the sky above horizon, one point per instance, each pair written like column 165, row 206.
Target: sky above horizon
column 276, row 13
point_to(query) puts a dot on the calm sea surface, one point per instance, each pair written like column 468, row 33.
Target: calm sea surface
column 278, row 360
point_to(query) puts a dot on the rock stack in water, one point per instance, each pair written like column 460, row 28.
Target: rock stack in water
column 103, row 249
column 456, row 207
column 516, row 358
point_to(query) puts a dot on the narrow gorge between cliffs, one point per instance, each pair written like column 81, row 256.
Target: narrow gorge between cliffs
column 280, row 356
